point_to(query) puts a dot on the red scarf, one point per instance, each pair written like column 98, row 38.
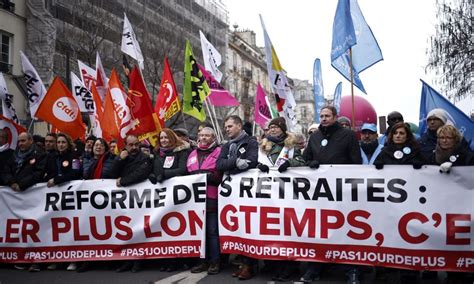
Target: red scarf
column 98, row 167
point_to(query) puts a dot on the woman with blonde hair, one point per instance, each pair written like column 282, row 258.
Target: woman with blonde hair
column 450, row 150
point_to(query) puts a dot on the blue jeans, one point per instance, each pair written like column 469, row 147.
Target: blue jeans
column 212, row 238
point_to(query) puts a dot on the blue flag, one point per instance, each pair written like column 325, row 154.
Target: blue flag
column 318, row 89
column 337, row 97
column 351, row 31
column 431, row 99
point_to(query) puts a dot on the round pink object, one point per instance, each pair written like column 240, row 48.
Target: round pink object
column 364, row 111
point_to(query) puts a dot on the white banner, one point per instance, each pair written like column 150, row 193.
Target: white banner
column 130, row 44
column 395, row 217
column 8, row 109
column 82, row 95
column 34, row 85
column 95, row 220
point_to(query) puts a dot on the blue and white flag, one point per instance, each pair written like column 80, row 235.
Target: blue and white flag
column 350, row 30
column 431, row 99
column 337, row 97
column 318, row 89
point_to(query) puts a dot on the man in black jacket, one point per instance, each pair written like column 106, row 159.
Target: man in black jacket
column 27, row 167
column 132, row 165
column 238, row 155
column 331, row 144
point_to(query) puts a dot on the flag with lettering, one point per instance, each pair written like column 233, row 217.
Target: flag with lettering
column 8, row 109
column 431, row 99
column 34, row 85
column 60, row 109
column 139, row 102
column 286, row 103
column 87, row 74
column 219, row 96
column 97, row 118
column 212, row 58
column 195, row 87
column 12, row 129
column 167, row 101
column 318, row 89
column 82, row 95
column 130, row 44
column 262, row 112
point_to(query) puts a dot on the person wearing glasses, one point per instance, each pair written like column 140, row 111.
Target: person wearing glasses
column 450, row 150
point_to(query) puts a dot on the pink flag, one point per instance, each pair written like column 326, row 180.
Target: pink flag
column 262, row 113
column 219, row 96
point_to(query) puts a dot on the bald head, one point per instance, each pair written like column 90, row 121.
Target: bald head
column 25, row 140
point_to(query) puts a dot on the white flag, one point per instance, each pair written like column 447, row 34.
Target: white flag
column 130, row 44
column 8, row 109
column 34, row 85
column 212, row 57
column 279, row 82
column 81, row 94
column 101, row 80
column 87, row 74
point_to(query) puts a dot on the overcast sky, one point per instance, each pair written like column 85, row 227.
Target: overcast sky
column 301, row 30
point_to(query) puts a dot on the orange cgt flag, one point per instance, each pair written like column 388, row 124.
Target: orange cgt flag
column 59, row 108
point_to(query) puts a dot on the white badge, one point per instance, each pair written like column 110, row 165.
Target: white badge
column 453, row 158
column 280, row 161
column 398, row 154
column 407, row 150
column 324, row 142
column 193, row 160
column 242, row 150
column 168, row 162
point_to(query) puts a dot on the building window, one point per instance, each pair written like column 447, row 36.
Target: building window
column 5, row 43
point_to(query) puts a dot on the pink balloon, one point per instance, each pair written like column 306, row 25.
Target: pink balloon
column 364, row 111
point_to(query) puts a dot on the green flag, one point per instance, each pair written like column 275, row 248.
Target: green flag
column 195, row 86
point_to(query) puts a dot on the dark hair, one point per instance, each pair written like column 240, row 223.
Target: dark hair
column 70, row 144
column 91, row 137
column 235, row 119
column 411, row 140
column 52, row 135
column 331, row 108
column 104, row 142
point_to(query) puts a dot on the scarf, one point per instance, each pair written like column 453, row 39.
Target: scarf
column 163, row 151
column 21, row 156
column 98, row 167
column 277, row 140
column 235, row 142
column 441, row 155
column 206, row 147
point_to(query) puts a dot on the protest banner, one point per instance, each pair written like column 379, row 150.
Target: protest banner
column 395, row 217
column 94, row 220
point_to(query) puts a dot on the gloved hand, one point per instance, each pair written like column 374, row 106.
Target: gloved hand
column 263, row 168
column 152, row 178
column 313, row 164
column 242, row 164
column 445, row 167
column 283, row 167
column 417, row 165
column 378, row 165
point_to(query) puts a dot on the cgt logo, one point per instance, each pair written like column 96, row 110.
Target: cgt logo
column 65, row 109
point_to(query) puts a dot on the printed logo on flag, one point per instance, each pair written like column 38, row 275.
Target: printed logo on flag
column 65, row 109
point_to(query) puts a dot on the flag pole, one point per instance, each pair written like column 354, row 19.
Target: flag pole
column 212, row 119
column 352, row 90
column 218, row 125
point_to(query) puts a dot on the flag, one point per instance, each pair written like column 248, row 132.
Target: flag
column 13, row 129
column 116, row 109
column 8, row 109
column 286, row 103
column 82, row 95
column 167, row 102
column 59, row 108
column 431, row 99
column 212, row 58
column 262, row 112
column 87, row 74
column 101, row 80
column 318, row 89
column 337, row 97
column 351, row 31
column 195, row 87
column 130, row 44
column 34, row 86
column 97, row 119
column 219, row 96
column 139, row 102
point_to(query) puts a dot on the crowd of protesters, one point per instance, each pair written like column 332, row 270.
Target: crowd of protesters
column 55, row 159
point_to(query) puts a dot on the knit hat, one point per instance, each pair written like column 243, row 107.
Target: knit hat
column 280, row 122
column 344, row 119
column 438, row 113
column 181, row 132
column 313, row 127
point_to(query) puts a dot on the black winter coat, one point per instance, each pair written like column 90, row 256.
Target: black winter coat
column 7, row 160
column 89, row 165
column 388, row 156
column 172, row 163
column 133, row 169
column 461, row 156
column 247, row 149
column 62, row 167
column 342, row 146
column 30, row 172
